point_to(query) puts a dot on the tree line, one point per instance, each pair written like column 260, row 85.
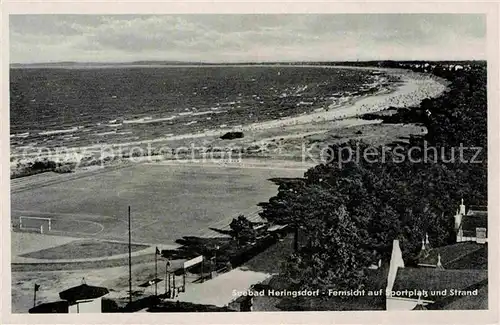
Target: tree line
column 348, row 214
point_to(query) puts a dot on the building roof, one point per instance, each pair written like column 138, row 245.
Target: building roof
column 467, row 302
column 220, row 290
column 472, row 220
column 182, row 306
column 454, row 256
column 478, row 208
column 430, row 279
column 58, row 307
column 376, row 279
column 469, row 227
column 478, row 211
column 477, row 260
column 420, row 307
column 276, row 227
column 83, row 292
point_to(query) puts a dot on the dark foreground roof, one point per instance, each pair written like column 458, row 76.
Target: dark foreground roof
column 185, row 307
column 476, row 260
column 431, row 279
column 58, row 307
column 467, row 302
column 420, row 307
column 83, row 292
column 464, row 255
column 376, row 279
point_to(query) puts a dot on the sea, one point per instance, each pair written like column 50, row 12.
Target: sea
column 74, row 107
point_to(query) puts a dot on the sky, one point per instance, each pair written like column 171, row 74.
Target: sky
column 246, row 38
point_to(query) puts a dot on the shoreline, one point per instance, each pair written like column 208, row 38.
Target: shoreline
column 107, row 271
column 410, row 91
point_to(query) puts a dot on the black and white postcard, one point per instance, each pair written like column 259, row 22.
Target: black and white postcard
column 175, row 163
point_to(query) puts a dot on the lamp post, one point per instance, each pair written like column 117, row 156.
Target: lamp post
column 296, row 227
column 214, row 262
column 129, row 258
column 167, row 279
column 215, row 255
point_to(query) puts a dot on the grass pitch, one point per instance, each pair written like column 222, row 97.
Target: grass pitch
column 84, row 249
column 168, row 201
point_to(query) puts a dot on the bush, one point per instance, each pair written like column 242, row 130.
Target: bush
column 232, row 135
column 242, row 230
column 64, row 169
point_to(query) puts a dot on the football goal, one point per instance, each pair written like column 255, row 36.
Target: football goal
column 38, row 224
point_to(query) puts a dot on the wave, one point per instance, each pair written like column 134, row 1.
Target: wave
column 301, row 89
column 191, row 122
column 106, row 133
column 161, row 119
column 139, row 120
column 20, row 135
column 213, row 110
column 149, row 119
column 73, row 129
column 202, row 113
column 208, row 112
column 113, row 133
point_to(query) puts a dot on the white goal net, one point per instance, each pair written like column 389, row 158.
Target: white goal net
column 38, row 224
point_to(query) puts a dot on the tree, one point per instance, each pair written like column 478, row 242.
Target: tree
column 332, row 258
column 242, row 229
column 386, row 199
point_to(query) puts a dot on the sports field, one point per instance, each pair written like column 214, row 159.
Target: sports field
column 168, row 200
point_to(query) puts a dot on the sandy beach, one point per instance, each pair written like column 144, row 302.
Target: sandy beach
column 413, row 89
column 410, row 91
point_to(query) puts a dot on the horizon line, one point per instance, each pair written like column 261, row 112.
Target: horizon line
column 237, row 62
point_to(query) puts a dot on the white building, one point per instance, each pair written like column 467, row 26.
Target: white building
column 471, row 224
column 84, row 298
column 440, row 270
